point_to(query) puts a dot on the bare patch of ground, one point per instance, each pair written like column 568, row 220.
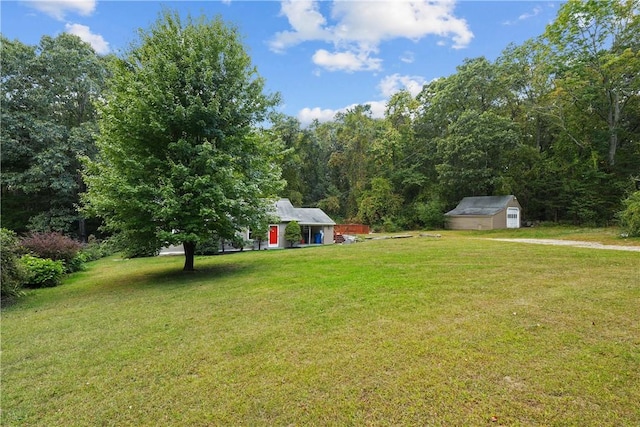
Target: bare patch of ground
column 574, row 243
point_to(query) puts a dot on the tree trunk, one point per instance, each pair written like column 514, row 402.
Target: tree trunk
column 82, row 230
column 614, row 119
column 189, row 252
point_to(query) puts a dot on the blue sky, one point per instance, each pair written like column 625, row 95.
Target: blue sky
column 322, row 56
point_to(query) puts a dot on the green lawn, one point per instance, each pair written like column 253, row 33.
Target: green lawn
column 456, row 331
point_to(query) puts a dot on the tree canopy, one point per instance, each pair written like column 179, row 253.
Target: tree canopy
column 181, row 158
column 47, row 121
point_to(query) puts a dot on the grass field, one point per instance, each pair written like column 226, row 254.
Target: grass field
column 456, row 331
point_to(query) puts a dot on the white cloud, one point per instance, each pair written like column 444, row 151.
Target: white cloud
column 535, row 12
column 387, row 86
column 407, row 57
column 357, row 28
column 305, row 20
column 375, row 21
column 308, row 115
column 377, row 108
column 59, row 8
column 395, row 83
column 96, row 41
column 346, row 61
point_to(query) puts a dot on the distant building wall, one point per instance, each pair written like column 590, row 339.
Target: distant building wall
column 469, row 222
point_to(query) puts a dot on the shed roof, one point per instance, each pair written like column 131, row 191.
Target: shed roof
column 481, row 205
column 304, row 216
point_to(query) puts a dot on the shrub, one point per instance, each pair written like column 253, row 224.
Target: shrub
column 42, row 273
column 210, row 246
column 239, row 242
column 54, row 246
column 94, row 250
column 292, row 233
column 75, row 264
column 136, row 244
column 389, row 225
column 431, row 214
column 91, row 251
column 12, row 271
column 129, row 244
column 630, row 216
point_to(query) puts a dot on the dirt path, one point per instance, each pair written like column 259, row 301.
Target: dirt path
column 574, row 243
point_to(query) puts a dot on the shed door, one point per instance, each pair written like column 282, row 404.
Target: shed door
column 513, row 218
column 273, row 235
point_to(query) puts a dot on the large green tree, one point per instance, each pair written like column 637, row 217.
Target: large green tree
column 357, row 134
column 287, row 130
column 474, row 156
column 596, row 58
column 48, row 120
column 181, row 157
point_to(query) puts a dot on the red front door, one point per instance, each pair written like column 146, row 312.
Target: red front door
column 273, row 235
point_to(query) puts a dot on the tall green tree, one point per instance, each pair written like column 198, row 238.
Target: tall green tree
column 181, row 158
column 315, row 173
column 356, row 136
column 523, row 72
column 47, row 121
column 287, row 130
column 596, row 55
column 593, row 56
column 474, row 156
column 379, row 203
column 334, row 187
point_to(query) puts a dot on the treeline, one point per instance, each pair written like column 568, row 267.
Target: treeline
column 554, row 121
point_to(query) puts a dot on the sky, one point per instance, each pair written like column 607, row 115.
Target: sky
column 323, row 57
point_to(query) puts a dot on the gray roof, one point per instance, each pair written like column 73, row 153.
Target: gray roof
column 481, row 205
column 304, row 216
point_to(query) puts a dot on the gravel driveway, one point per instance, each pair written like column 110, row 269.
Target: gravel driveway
column 574, row 243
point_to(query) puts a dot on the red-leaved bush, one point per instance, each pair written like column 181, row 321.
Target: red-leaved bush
column 52, row 245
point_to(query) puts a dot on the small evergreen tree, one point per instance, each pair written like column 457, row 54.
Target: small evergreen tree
column 292, row 233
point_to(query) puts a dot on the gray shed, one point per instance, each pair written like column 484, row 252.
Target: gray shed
column 317, row 226
column 485, row 213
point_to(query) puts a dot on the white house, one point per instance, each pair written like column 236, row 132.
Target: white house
column 317, row 227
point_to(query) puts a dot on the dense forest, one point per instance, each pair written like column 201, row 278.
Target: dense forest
column 554, row 121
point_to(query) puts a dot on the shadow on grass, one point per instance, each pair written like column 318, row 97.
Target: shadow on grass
column 205, row 274
column 6, row 302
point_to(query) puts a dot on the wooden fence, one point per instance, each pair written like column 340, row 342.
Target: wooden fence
column 351, row 229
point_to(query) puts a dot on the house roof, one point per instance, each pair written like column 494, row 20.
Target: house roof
column 481, row 205
column 304, row 216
